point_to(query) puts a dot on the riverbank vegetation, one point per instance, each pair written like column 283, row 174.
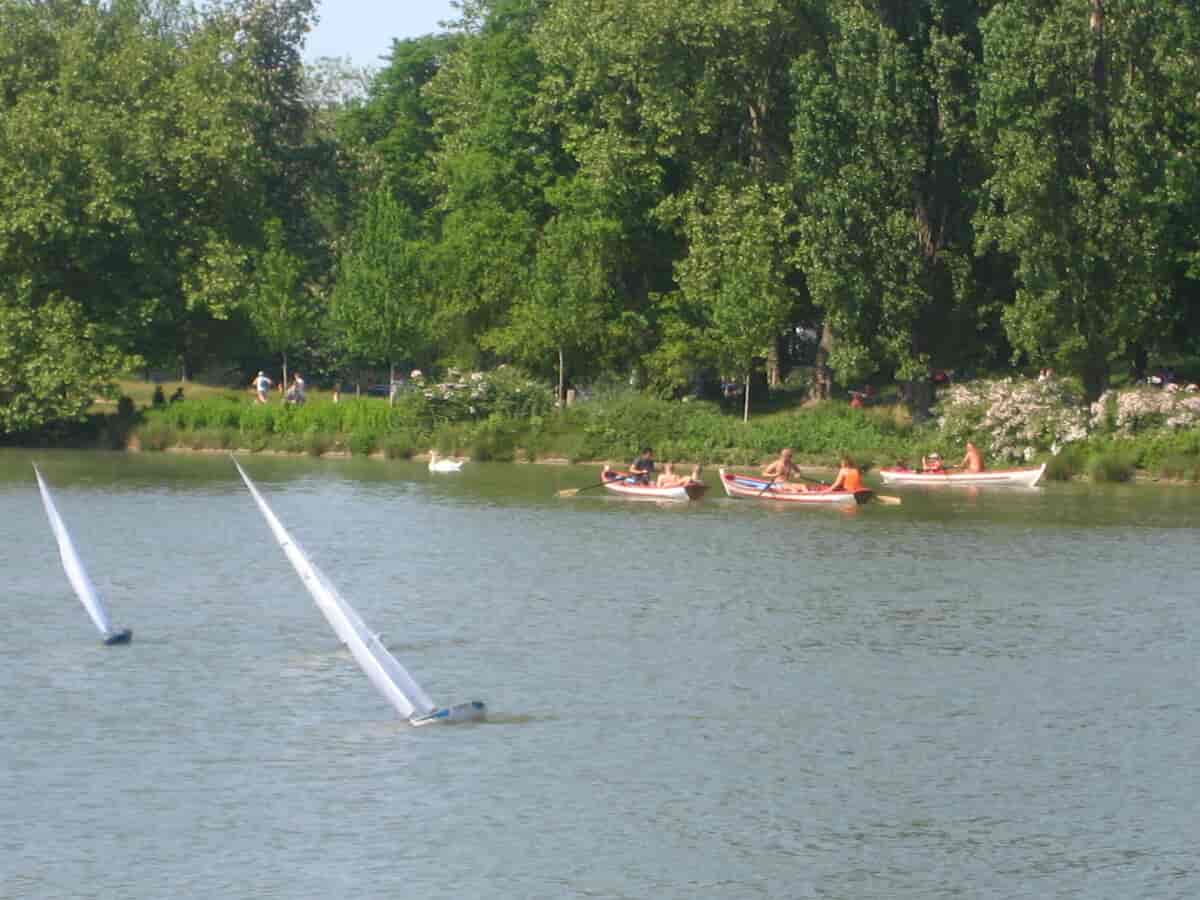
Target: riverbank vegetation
column 756, row 207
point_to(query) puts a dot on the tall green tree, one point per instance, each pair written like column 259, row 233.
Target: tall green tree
column 569, row 311
column 1088, row 113
column 279, row 305
column 380, row 307
column 884, row 169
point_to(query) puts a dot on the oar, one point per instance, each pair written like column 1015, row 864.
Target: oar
column 571, row 492
column 766, row 487
column 885, row 499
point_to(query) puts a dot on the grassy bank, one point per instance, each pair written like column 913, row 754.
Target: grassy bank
column 611, row 429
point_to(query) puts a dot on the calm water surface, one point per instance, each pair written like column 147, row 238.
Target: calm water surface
column 977, row 694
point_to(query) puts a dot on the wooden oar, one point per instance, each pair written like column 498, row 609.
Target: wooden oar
column 571, row 492
column 885, row 499
column 766, row 487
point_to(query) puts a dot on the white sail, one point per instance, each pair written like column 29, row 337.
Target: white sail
column 385, row 672
column 76, row 573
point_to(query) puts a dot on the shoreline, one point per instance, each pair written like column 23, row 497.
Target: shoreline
column 1139, row 477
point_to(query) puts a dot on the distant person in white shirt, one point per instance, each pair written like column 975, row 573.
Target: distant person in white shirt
column 261, row 384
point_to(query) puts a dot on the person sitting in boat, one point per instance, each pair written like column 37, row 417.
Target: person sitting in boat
column 668, row 478
column 642, row 468
column 782, row 470
column 973, row 460
column 932, row 463
column 848, row 479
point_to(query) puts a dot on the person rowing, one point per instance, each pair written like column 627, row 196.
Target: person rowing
column 641, row 469
column 973, row 460
column 849, row 478
column 781, row 471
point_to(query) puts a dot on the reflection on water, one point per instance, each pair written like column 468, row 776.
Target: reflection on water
column 985, row 694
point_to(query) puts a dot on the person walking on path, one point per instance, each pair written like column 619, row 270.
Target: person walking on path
column 261, row 384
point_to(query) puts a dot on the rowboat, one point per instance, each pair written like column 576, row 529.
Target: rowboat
column 625, row 485
column 1016, row 477
column 749, row 487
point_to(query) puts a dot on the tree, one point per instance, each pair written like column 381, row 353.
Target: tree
column 735, row 274
column 278, row 305
column 569, row 309
column 53, row 361
column 1088, row 114
column 380, row 303
column 883, row 170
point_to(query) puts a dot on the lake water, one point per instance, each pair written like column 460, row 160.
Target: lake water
column 975, row 694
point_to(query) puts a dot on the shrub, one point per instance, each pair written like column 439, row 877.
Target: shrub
column 362, row 443
column 400, row 445
column 1069, row 462
column 318, row 442
column 157, row 436
column 1111, row 465
column 1181, row 467
column 1013, row 418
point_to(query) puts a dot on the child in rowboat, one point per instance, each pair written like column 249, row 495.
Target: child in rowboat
column 781, row 471
column 668, row 478
column 642, row 468
column 848, row 479
column 932, row 463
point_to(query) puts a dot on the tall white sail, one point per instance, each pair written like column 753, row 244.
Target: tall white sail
column 76, row 573
column 385, row 672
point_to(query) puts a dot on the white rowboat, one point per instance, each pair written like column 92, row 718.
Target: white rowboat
column 750, row 487
column 1014, row 477
column 624, row 485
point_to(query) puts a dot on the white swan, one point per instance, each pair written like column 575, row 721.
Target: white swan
column 443, row 465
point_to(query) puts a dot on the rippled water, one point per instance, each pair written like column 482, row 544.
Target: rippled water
column 986, row 694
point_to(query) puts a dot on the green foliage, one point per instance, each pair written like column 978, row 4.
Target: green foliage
column 1115, row 464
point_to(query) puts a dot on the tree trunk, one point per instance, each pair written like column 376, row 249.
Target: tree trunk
column 391, row 384
column 774, row 370
column 562, row 380
column 1095, row 380
column 746, row 401
column 283, row 383
column 920, row 399
column 822, row 379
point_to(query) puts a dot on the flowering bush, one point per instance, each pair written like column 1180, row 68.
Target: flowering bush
column 1132, row 410
column 478, row 395
column 1014, row 418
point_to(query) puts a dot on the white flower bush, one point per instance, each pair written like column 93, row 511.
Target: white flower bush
column 1131, row 410
column 1017, row 418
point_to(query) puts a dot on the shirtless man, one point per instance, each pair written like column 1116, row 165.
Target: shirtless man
column 973, row 461
column 781, row 470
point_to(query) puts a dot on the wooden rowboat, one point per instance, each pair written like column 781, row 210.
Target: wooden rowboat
column 750, row 487
column 625, row 485
column 1016, row 477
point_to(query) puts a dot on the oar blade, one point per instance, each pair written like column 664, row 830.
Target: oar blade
column 569, row 492
column 887, row 500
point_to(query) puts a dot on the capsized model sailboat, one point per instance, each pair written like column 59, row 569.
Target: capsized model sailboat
column 384, row 671
column 76, row 573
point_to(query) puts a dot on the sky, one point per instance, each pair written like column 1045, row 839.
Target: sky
column 364, row 29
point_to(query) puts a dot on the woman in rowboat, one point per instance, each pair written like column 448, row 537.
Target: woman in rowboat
column 849, row 479
column 781, row 470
